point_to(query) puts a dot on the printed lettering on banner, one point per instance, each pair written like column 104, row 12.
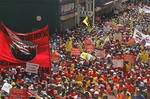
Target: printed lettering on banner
column 75, row 51
column 32, row 68
column 118, row 63
column 138, row 36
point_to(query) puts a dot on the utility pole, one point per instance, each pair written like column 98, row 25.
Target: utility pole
column 78, row 11
column 93, row 12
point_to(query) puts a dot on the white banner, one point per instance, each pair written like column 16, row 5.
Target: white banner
column 32, row 68
column 147, row 39
column 139, row 37
column 145, row 9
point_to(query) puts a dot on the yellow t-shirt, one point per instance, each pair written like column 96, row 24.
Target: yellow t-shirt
column 144, row 57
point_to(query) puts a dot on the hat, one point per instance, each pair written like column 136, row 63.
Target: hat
column 96, row 93
column 139, row 77
column 59, row 85
column 92, row 90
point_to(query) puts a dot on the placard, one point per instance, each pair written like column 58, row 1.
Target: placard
column 18, row 94
column 118, row 63
column 32, row 68
column 75, row 51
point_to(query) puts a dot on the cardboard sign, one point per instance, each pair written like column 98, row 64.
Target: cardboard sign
column 32, row 68
column 75, row 52
column 18, row 94
column 84, row 55
column 100, row 53
column 118, row 63
column 6, row 87
column 138, row 36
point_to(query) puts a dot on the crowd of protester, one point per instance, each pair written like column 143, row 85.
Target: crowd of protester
column 73, row 77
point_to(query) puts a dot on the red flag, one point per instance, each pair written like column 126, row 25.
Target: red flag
column 19, row 48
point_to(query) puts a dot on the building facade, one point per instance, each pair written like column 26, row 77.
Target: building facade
column 67, row 14
column 71, row 11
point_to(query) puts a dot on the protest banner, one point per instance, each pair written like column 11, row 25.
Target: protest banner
column 118, row 63
column 147, row 40
column 18, row 94
column 100, row 53
column 23, row 47
column 32, row 68
column 139, row 37
column 84, row 55
column 88, row 45
column 75, row 51
column 146, row 9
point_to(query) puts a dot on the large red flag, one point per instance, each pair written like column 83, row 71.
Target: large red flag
column 20, row 48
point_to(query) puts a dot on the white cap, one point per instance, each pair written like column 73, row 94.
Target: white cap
column 92, row 90
column 96, row 92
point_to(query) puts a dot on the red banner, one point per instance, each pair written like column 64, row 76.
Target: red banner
column 75, row 52
column 88, row 45
column 18, row 94
column 19, row 48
